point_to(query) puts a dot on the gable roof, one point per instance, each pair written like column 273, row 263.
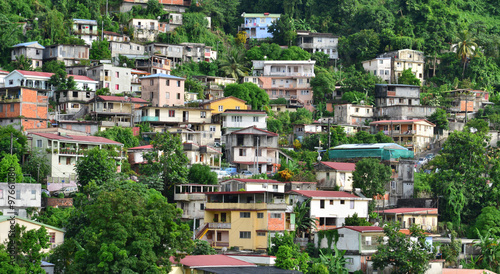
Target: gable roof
column 415, row 210
column 49, row 74
column 244, row 111
column 4, row 218
column 34, row 43
column 120, row 99
column 340, row 166
column 162, row 75
column 324, row 194
column 254, row 181
column 76, row 138
column 196, row 261
column 263, row 132
column 223, row 98
column 364, row 228
column 141, row 147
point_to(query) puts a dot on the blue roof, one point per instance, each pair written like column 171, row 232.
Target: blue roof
column 86, row 20
column 27, row 44
column 162, row 75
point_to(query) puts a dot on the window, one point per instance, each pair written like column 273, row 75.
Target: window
column 52, row 236
column 331, row 202
column 256, row 119
column 244, row 214
column 171, row 113
column 342, row 202
column 381, row 72
column 410, row 65
column 275, row 215
column 178, row 96
column 260, row 215
column 202, row 206
column 12, row 107
column 1, row 193
column 275, row 187
column 274, row 82
column 380, row 61
column 203, row 114
column 178, row 83
column 117, row 87
column 117, row 74
column 258, row 152
column 352, row 204
column 221, row 108
column 151, row 82
column 398, row 64
column 357, row 110
column 237, row 108
column 263, row 20
column 245, row 234
column 261, row 233
column 243, row 152
column 212, row 128
column 38, row 143
column 349, row 261
column 168, row 83
column 386, row 72
column 11, row 82
column 110, row 105
column 236, row 119
column 18, row 194
column 328, row 175
column 167, row 95
column 33, row 194
column 304, row 92
column 322, row 204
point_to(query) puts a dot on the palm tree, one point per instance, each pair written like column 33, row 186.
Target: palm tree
column 233, row 64
column 303, row 221
column 465, row 48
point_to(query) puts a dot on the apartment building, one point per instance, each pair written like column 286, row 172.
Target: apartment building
column 174, row 53
column 400, row 102
column 69, row 54
column 351, row 114
column 23, row 108
column 27, row 196
column 416, row 135
column 233, row 119
column 127, row 49
column 285, row 79
column 381, row 67
column 163, row 90
column 30, row 50
column 135, row 82
column 253, row 149
column 116, row 79
column 237, row 184
column 113, row 36
column 71, row 102
column 146, row 29
column 244, row 219
column 256, row 25
column 110, row 111
column 154, row 64
column 63, row 151
column 466, row 102
column 196, row 52
column 396, row 62
column 85, row 29
column 191, row 199
column 318, row 42
column 332, row 175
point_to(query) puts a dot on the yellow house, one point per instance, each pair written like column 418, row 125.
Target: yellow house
column 56, row 235
column 425, row 218
column 221, row 104
column 244, row 219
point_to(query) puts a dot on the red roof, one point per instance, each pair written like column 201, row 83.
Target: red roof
column 48, row 74
column 196, row 261
column 399, row 121
column 112, row 33
column 364, row 228
column 321, row 193
column 121, row 99
column 255, row 181
column 340, row 166
column 265, row 131
column 416, row 210
column 236, row 192
column 91, row 139
column 141, row 147
column 4, row 71
column 297, row 182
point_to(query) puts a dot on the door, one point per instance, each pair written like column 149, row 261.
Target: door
column 219, row 236
column 185, row 116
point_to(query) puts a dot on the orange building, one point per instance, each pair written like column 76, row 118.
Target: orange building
column 23, row 108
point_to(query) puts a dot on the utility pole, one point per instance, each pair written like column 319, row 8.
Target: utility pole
column 329, row 135
column 11, row 142
column 257, row 155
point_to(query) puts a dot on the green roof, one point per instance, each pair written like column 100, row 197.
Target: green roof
column 384, row 151
column 5, row 218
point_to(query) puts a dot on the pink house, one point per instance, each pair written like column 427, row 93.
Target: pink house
column 163, row 90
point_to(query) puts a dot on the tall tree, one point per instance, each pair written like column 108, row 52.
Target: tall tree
column 440, row 119
column 19, row 141
column 10, row 164
column 250, row 92
column 37, row 166
column 98, row 165
column 120, row 134
column 303, row 221
column 283, row 30
column 408, row 78
column 404, row 254
column 167, row 162
column 24, row 250
column 371, row 176
column 22, row 63
column 233, row 64
column 201, row 174
column 466, row 48
column 100, row 50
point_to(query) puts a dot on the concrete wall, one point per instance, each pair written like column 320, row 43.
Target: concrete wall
column 26, row 195
column 404, row 112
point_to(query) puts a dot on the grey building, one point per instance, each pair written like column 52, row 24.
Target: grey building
column 26, row 196
column 172, row 52
column 128, row 49
column 399, row 102
column 69, row 54
column 117, row 79
column 31, row 50
column 318, row 42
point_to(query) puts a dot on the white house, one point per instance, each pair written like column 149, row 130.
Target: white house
column 26, row 196
column 334, row 174
column 236, row 184
column 235, row 119
column 35, row 79
column 86, row 29
column 380, row 67
column 330, row 208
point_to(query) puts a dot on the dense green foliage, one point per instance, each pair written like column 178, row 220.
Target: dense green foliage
column 8, row 164
column 201, row 174
column 97, row 166
column 37, row 166
column 121, row 135
column 371, row 176
column 19, row 141
column 250, row 92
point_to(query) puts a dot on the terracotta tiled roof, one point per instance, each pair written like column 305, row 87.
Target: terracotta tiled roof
column 76, row 138
column 340, row 166
column 141, row 147
column 196, row 261
column 326, row 194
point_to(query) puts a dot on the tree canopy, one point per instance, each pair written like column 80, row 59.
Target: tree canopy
column 250, row 92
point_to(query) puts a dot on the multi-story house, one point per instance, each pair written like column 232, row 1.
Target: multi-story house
column 318, row 42
column 30, row 50
column 330, row 208
column 3, row 74
column 128, row 49
column 301, row 130
column 381, row 67
column 23, row 108
column 87, row 127
column 146, row 29
column 244, row 219
column 466, row 102
column 63, row 151
column 73, row 101
column 55, row 235
column 116, row 79
column 69, row 54
column 350, row 114
column 78, row 69
column 401, row 60
column 222, row 104
column 26, row 196
column 191, row 199
column 332, row 175
column 174, row 53
column 135, row 82
column 256, row 25
column 168, row 5
column 196, row 52
column 285, row 79
column 398, row 158
column 112, row 111
column 425, row 218
column 163, row 90
column 85, row 29
column 233, row 119
column 238, row 184
column 40, row 80
column 416, row 135
column 253, row 149
column 399, row 102
column 116, row 37
column 214, row 86
column 155, row 64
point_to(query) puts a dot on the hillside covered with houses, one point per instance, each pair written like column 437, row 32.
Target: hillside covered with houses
column 225, row 136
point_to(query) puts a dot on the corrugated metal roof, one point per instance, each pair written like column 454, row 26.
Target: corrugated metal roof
column 371, row 146
column 340, row 166
column 28, row 44
column 162, row 75
column 76, row 138
column 326, row 194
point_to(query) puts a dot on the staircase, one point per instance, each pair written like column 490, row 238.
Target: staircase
column 81, row 113
column 202, row 232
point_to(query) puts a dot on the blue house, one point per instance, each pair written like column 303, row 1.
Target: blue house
column 257, row 25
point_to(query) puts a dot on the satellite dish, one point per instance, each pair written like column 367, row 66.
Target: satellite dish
column 38, row 125
column 125, row 65
column 189, row 125
column 224, row 249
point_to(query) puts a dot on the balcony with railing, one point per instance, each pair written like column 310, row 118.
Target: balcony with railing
column 219, row 225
